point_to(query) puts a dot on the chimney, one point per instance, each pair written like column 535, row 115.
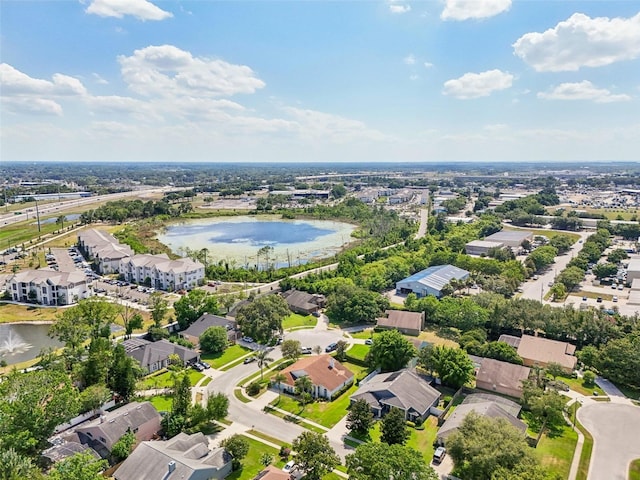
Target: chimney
column 171, row 466
column 332, row 363
column 102, row 418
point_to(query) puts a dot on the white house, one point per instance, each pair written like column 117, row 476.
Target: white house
column 162, row 272
column 104, row 249
column 48, row 287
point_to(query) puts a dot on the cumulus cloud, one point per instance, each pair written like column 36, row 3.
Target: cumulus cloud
column 584, row 90
column 36, row 106
column 428, row 64
column 474, row 85
column 473, row 9
column 140, row 9
column 15, row 82
column 395, row 8
column 166, row 70
column 581, row 41
column 409, row 59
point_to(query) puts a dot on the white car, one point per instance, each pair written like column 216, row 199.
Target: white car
column 288, row 468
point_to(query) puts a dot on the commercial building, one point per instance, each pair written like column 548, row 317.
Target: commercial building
column 481, row 247
column 48, row 287
column 430, row 281
column 160, row 272
column 511, row 238
column 633, row 270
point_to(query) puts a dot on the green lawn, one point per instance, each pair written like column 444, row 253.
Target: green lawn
column 164, row 379
column 585, row 455
column 364, row 334
column 325, row 413
column 251, row 465
column 297, row 320
column 577, row 385
column 194, row 376
column 161, row 402
column 634, row 470
column 420, row 440
column 232, row 353
column 358, row 370
column 556, row 453
column 287, row 417
column 23, row 313
column 359, row 351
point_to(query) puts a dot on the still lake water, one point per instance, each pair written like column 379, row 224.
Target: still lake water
column 20, row 342
column 239, row 239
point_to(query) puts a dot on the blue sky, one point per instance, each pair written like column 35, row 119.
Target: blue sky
column 305, row 81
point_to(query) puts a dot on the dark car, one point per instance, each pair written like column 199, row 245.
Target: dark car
column 198, row 367
column 331, row 347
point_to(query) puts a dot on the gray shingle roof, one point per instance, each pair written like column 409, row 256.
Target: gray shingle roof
column 207, row 320
column 147, row 353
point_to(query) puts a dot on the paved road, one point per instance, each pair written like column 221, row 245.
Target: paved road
column 615, row 428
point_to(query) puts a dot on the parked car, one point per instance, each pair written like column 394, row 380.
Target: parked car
column 439, row 454
column 205, row 365
column 621, row 287
column 247, row 339
column 599, row 299
column 249, row 359
column 306, row 350
column 368, row 341
column 316, row 314
column 289, row 466
column 331, row 347
column 198, row 367
column 584, row 299
column 614, row 299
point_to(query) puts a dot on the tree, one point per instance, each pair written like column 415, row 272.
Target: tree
column 262, row 318
column 379, row 461
column 14, row 466
column 543, row 256
column 123, row 373
column 619, row 360
column 390, row 351
column 192, row 305
column 500, row 351
column 603, row 270
column 159, row 307
column 32, row 405
column 60, row 221
column 453, row 365
column 266, row 459
column 263, row 359
column 291, row 349
column 314, row 455
column 238, row 447
column 394, row 427
column 214, row 340
column 123, row 447
column 554, row 369
column 338, row 190
column 426, row 359
column 355, row 305
column 570, row 277
column 341, row 349
column 181, row 395
column 588, row 378
column 360, row 418
column 81, row 466
column 547, row 409
column 217, row 406
column 93, row 397
column 132, row 321
column 558, row 291
column 484, row 445
column 304, row 386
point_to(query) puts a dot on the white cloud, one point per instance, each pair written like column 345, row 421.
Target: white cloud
column 409, row 59
column 399, row 9
column 581, row 41
column 469, row 9
column 166, row 70
column 428, row 64
column 119, row 8
column 14, row 82
column 37, row 106
column 98, row 79
column 584, row 90
column 414, row 77
column 474, row 85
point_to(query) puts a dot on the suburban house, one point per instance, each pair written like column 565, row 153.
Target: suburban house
column 511, row 238
column 184, row 457
column 430, row 281
column 208, row 320
column 538, row 351
column 100, row 434
column 501, row 377
column 481, row 247
column 160, row 272
column 153, row 356
column 408, row 323
column 483, row 404
column 303, row 302
column 48, row 287
column 404, row 389
column 63, row 449
column 273, row 473
column 328, row 376
column 103, row 249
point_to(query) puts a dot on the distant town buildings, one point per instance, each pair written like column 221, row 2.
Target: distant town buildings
column 48, row 287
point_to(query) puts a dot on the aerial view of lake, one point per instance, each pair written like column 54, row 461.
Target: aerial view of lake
column 239, row 239
column 20, row 342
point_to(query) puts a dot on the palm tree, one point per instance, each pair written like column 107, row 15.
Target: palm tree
column 60, row 221
column 278, row 379
column 304, row 385
column 262, row 359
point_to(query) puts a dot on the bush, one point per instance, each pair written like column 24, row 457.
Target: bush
column 411, row 424
column 285, row 452
column 254, row 388
column 589, row 378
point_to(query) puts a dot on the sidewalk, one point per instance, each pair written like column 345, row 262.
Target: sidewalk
column 577, row 453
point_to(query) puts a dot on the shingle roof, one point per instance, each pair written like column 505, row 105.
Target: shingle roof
column 401, row 319
column 544, row 350
column 502, row 374
column 114, row 424
column 403, row 389
column 272, row 473
column 147, row 353
column 301, row 300
column 52, row 276
column 318, row 368
column 437, row 276
column 190, row 453
column 207, row 320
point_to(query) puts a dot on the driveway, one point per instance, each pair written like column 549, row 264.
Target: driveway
column 320, row 335
column 615, row 428
column 443, row 469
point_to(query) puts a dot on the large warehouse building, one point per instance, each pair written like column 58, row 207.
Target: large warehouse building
column 510, row 238
column 481, row 247
column 430, row 281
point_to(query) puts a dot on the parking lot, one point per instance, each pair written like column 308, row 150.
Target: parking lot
column 123, row 290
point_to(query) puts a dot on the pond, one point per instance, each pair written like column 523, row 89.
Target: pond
column 20, row 342
column 239, row 239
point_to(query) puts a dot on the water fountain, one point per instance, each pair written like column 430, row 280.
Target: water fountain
column 11, row 343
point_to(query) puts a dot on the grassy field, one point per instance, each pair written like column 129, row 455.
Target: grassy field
column 22, row 313
column 364, row 334
column 161, row 402
column 577, row 385
column 556, row 453
column 251, row 465
column 359, row 351
column 164, row 379
column 634, row 470
column 297, row 320
column 432, row 336
column 234, row 352
column 324, row 413
column 420, row 440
